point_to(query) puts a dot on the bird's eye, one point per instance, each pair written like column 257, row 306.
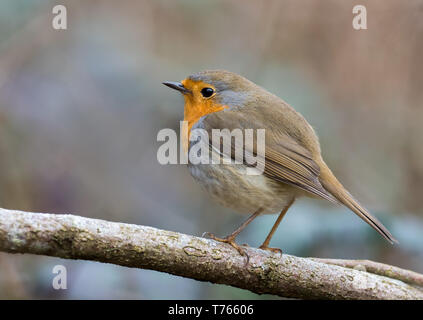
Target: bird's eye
column 207, row 92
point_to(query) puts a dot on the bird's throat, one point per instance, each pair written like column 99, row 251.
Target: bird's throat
column 194, row 111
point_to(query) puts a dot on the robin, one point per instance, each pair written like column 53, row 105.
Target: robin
column 293, row 164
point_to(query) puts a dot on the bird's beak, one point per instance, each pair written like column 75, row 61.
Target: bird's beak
column 177, row 86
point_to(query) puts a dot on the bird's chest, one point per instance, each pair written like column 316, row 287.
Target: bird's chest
column 229, row 185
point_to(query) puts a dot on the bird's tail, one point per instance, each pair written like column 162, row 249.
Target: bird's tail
column 331, row 184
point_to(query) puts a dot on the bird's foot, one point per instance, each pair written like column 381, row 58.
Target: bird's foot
column 230, row 240
column 274, row 250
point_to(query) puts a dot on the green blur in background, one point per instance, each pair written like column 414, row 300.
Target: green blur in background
column 80, row 110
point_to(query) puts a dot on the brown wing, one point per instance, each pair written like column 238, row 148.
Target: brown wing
column 286, row 160
column 295, row 167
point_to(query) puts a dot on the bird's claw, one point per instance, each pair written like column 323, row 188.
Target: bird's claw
column 229, row 240
column 274, row 250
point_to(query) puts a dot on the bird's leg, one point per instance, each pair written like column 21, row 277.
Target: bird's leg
column 231, row 238
column 265, row 245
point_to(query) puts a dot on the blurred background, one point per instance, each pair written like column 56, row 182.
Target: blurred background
column 80, row 110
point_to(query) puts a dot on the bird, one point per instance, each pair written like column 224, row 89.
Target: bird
column 293, row 162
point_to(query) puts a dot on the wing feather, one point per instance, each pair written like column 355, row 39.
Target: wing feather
column 285, row 160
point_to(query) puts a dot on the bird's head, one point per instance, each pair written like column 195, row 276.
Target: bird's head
column 211, row 91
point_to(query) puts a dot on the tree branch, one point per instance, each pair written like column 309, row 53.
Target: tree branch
column 75, row 237
column 381, row 269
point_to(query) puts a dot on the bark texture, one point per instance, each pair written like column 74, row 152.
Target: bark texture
column 75, row 237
